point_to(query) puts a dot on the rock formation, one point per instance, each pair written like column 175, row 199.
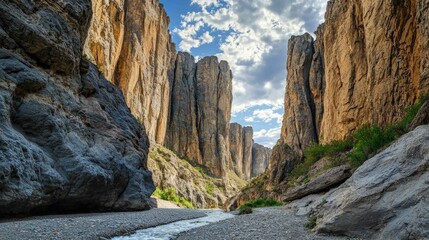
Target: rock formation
column 130, row 43
column 365, row 67
column 248, row 159
column 260, row 159
column 68, row 141
column 386, row 198
column 198, row 124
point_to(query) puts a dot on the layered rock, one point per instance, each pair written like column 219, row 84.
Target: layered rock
column 68, row 141
column 260, row 159
column 203, row 113
column 130, row 43
column 386, row 198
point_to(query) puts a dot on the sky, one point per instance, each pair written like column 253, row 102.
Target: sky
column 252, row 35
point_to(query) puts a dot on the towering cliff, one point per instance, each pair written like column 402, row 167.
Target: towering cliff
column 248, row 159
column 67, row 139
column 365, row 67
column 130, row 43
column 260, row 159
column 198, row 124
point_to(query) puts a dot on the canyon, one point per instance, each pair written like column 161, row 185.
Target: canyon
column 98, row 110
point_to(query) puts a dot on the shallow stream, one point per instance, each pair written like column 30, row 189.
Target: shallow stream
column 169, row 231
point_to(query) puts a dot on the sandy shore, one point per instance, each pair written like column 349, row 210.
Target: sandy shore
column 91, row 226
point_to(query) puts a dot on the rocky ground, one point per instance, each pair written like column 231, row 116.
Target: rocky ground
column 91, row 226
column 264, row 223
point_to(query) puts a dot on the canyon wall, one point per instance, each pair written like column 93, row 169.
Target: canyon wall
column 248, row 159
column 68, row 141
column 130, row 43
column 198, row 124
column 369, row 62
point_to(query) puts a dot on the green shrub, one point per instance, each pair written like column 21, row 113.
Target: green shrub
column 169, row 194
column 368, row 140
column 245, row 210
column 209, row 188
column 315, row 152
column 311, row 223
column 261, row 202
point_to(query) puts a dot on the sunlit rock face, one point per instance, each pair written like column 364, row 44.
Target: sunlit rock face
column 130, row 43
column 68, row 141
column 368, row 62
column 198, row 126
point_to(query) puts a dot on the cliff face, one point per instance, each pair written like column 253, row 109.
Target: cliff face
column 68, row 141
column 365, row 67
column 130, row 43
column 248, row 159
column 199, row 120
column 260, row 159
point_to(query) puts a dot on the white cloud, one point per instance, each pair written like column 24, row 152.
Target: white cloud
column 267, row 115
column 249, row 119
column 206, row 38
column 254, row 40
column 267, row 137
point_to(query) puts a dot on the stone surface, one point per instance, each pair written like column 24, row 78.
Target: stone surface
column 298, row 128
column 248, row 159
column 387, row 197
column 375, row 62
column 68, row 141
column 130, row 43
column 260, row 159
column 369, row 62
column 236, row 148
column 203, row 113
column 320, row 183
column 282, row 161
column 169, row 171
column 247, row 151
column 422, row 117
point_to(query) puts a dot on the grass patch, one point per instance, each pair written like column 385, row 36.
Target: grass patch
column 362, row 145
column 245, row 210
column 169, row 194
column 311, row 223
column 209, row 188
column 261, row 202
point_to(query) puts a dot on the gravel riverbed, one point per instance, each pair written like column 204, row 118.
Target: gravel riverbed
column 276, row 223
column 91, row 226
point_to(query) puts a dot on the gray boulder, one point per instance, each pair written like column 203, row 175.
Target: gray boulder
column 387, row 197
column 67, row 139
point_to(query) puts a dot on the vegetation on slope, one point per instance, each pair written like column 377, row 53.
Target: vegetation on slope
column 362, row 145
column 247, row 207
column 169, row 194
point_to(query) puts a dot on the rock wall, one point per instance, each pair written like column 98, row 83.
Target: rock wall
column 198, row 124
column 68, row 141
column 369, row 62
column 248, row 159
column 260, row 159
column 130, row 43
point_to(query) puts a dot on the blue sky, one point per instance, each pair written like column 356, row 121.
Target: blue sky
column 252, row 36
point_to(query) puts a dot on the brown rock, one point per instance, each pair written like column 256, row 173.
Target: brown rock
column 130, row 43
column 375, row 63
column 282, row 161
column 247, row 151
column 208, row 112
column 236, row 148
column 299, row 127
column 422, row 117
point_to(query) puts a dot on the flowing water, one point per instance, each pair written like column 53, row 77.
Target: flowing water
column 168, row 231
